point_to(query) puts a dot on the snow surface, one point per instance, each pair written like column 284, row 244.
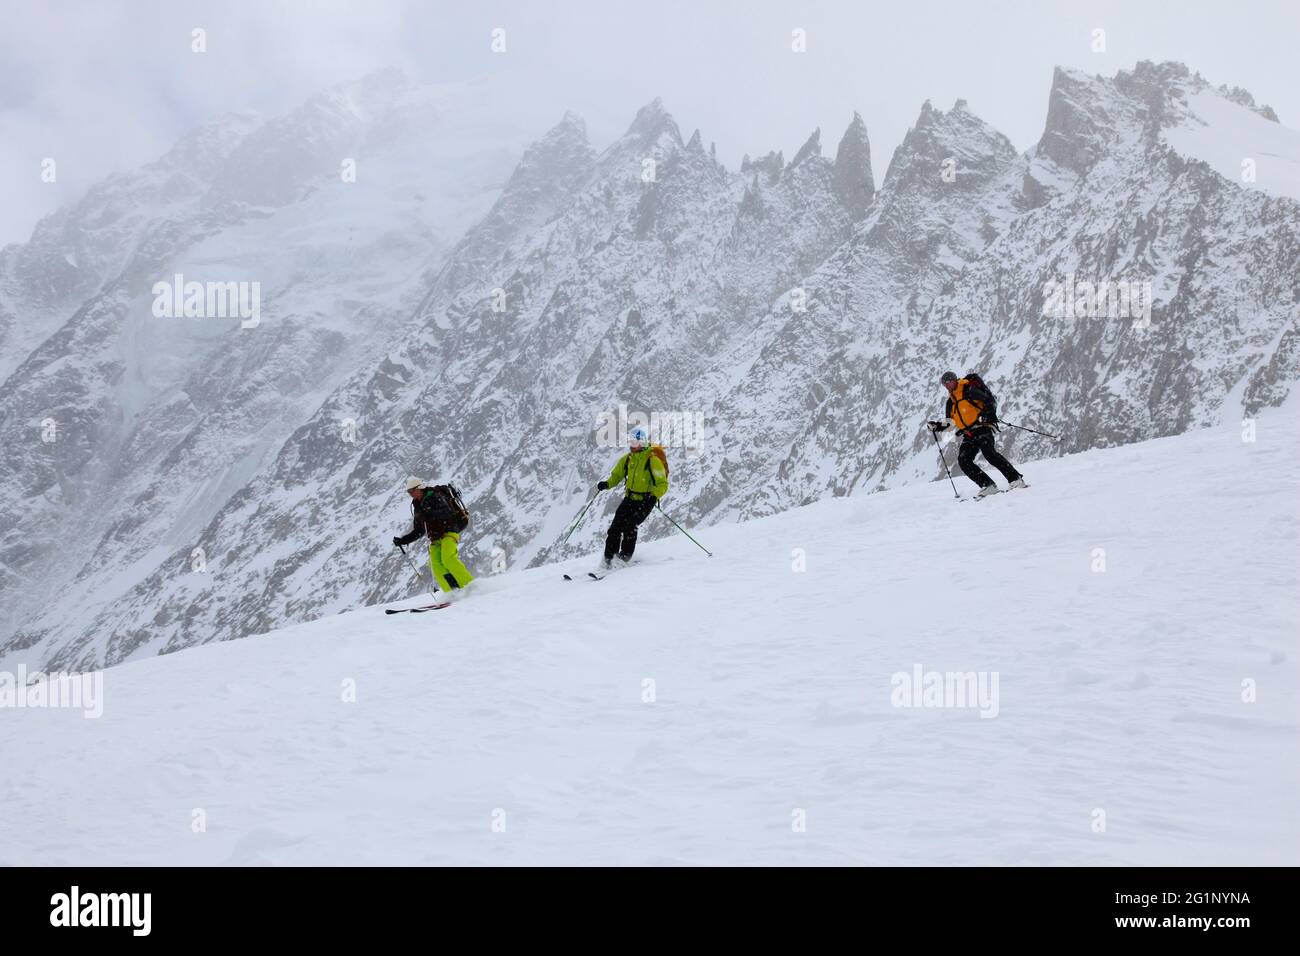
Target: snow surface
column 1119, row 690
column 1225, row 134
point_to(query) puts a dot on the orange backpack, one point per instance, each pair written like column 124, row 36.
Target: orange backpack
column 657, row 451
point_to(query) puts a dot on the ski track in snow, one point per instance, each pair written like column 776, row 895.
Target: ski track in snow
column 1118, row 690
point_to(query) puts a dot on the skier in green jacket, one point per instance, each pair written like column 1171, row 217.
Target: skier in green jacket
column 644, row 473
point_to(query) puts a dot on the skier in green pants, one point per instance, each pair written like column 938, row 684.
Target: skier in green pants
column 436, row 511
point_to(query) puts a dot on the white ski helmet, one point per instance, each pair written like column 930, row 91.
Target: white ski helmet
column 637, row 436
column 413, row 483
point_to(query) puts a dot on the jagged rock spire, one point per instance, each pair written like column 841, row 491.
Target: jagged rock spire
column 813, row 147
column 853, row 181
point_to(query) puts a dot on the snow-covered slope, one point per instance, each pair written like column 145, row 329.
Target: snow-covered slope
column 803, row 313
column 1243, row 145
column 527, row 708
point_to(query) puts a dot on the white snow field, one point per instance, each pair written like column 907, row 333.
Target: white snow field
column 516, row 727
column 1224, row 135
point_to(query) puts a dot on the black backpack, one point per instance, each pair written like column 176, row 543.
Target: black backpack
column 975, row 377
column 451, row 498
column 992, row 409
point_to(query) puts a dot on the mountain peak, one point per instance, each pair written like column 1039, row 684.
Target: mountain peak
column 853, row 181
column 958, row 135
column 1087, row 114
column 564, row 143
column 811, row 147
column 653, row 121
column 1079, row 118
column 570, row 126
column 1168, row 75
column 546, row 175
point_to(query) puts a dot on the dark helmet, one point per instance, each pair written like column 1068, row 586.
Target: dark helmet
column 947, row 377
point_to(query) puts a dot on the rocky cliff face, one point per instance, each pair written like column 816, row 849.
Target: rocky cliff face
column 801, row 313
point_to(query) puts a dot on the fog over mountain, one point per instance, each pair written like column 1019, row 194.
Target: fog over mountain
column 468, row 304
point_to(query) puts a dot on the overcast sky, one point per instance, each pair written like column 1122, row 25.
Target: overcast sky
column 105, row 86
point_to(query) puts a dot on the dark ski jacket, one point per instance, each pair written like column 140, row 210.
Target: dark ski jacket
column 430, row 515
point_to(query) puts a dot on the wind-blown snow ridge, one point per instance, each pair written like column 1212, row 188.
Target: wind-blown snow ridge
column 1239, row 143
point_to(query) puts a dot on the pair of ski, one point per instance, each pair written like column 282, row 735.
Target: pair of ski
column 1003, row 492
column 417, row 610
column 618, row 565
column 604, row 574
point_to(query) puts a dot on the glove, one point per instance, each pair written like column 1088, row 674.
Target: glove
column 397, row 542
column 938, row 426
column 602, row 486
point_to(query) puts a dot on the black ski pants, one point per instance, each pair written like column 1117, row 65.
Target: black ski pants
column 980, row 441
column 621, row 538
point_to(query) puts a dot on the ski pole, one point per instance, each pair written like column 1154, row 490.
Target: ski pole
column 1024, row 429
column 683, row 531
column 416, row 568
column 945, row 463
column 578, row 520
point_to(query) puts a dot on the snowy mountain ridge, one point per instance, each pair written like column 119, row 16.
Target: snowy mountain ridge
column 804, row 312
